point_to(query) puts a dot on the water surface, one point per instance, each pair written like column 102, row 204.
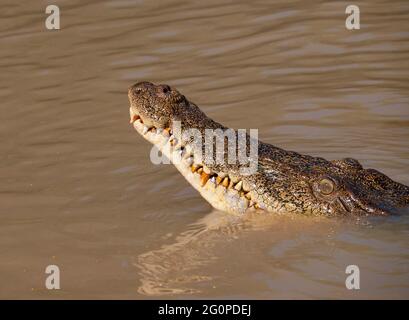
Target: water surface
column 78, row 189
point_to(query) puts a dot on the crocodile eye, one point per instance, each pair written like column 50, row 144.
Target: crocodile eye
column 326, row 186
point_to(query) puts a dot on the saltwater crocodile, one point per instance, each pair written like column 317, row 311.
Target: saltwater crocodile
column 285, row 181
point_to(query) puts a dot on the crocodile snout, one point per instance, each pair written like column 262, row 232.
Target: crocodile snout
column 148, row 88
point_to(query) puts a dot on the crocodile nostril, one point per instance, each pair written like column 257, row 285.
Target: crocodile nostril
column 165, row 89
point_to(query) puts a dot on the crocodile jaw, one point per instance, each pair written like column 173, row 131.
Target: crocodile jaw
column 220, row 197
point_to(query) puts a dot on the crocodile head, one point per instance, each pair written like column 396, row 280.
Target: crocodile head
column 285, row 181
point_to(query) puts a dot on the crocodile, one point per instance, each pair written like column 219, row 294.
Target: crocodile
column 284, row 181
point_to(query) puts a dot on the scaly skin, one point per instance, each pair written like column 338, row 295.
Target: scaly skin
column 285, row 181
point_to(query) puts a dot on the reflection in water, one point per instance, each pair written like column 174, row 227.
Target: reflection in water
column 307, row 255
column 171, row 268
column 178, row 267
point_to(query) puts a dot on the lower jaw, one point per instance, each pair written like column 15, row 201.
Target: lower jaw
column 220, row 197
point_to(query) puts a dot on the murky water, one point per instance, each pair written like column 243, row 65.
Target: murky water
column 78, row 189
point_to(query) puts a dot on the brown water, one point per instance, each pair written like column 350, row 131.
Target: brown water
column 78, row 189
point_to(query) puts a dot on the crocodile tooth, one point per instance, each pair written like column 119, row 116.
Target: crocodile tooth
column 222, row 174
column 252, row 203
column 173, row 141
column 207, row 170
column 134, row 118
column 204, row 178
column 238, row 185
column 166, row 132
column 189, row 161
column 219, row 180
column 247, row 195
column 225, row 182
column 234, row 178
column 246, row 186
column 213, row 179
column 200, row 170
column 145, row 129
column 186, row 152
column 231, row 184
column 194, row 167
